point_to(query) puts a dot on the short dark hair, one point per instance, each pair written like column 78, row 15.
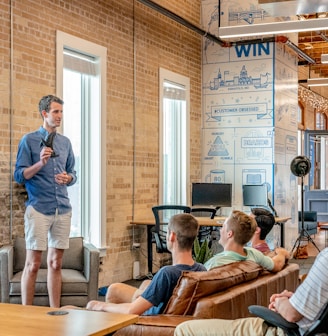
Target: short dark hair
column 185, row 226
column 264, row 219
column 45, row 102
column 242, row 226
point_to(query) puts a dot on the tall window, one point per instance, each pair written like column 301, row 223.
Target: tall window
column 81, row 74
column 321, row 121
column 174, row 138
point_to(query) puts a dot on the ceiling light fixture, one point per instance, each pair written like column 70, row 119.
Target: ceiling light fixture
column 317, row 82
column 273, row 28
column 308, row 46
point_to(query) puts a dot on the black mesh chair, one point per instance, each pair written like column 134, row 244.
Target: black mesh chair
column 272, row 318
column 162, row 214
column 204, row 231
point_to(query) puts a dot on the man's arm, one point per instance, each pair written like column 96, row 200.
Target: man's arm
column 138, row 307
column 279, row 260
column 70, row 164
column 282, row 306
column 45, row 154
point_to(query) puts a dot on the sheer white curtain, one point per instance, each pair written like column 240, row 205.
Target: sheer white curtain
column 174, row 144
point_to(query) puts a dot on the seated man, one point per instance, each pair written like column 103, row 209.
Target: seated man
column 237, row 230
column 265, row 222
column 302, row 307
column 155, row 294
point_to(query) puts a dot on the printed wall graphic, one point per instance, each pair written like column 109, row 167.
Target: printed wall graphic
column 249, row 109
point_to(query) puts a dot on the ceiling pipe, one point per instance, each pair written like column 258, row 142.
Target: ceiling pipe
column 323, row 36
column 184, row 22
column 254, row 41
column 222, row 43
column 294, row 47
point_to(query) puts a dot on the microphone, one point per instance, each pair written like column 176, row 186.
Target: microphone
column 49, row 143
column 272, row 208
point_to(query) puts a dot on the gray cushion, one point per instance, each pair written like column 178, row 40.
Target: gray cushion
column 73, row 257
column 73, row 283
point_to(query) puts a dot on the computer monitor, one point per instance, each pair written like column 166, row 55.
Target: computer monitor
column 216, row 195
column 255, row 195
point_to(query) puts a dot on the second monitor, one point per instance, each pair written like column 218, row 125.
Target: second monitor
column 255, row 195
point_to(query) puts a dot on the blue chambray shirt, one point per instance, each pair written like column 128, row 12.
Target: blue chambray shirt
column 44, row 194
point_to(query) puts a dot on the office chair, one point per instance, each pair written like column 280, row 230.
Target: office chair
column 320, row 326
column 162, row 214
column 204, row 232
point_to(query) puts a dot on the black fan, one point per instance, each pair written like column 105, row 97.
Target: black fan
column 300, row 166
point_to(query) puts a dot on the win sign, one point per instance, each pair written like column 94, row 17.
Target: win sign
column 251, row 51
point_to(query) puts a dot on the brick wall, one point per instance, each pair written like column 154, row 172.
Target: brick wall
column 160, row 42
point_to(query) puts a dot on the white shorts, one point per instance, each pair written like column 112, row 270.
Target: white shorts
column 42, row 231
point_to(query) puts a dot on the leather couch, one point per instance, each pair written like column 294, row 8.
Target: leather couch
column 224, row 292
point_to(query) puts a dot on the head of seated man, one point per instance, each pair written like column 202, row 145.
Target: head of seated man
column 265, row 222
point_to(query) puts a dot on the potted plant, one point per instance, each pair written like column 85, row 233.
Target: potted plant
column 202, row 252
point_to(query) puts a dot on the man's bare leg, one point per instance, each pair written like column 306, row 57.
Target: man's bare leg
column 30, row 272
column 123, row 293
column 120, row 293
column 54, row 280
column 141, row 289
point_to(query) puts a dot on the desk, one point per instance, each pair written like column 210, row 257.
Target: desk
column 203, row 221
column 17, row 319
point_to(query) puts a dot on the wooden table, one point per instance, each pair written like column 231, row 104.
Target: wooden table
column 203, row 221
column 16, row 319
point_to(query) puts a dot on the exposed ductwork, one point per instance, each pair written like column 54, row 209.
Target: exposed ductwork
column 294, row 47
column 183, row 21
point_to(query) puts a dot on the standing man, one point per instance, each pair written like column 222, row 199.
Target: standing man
column 45, row 164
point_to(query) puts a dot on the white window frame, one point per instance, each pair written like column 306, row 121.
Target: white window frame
column 167, row 75
column 96, row 224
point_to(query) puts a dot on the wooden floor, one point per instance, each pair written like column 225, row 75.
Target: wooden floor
column 319, row 241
